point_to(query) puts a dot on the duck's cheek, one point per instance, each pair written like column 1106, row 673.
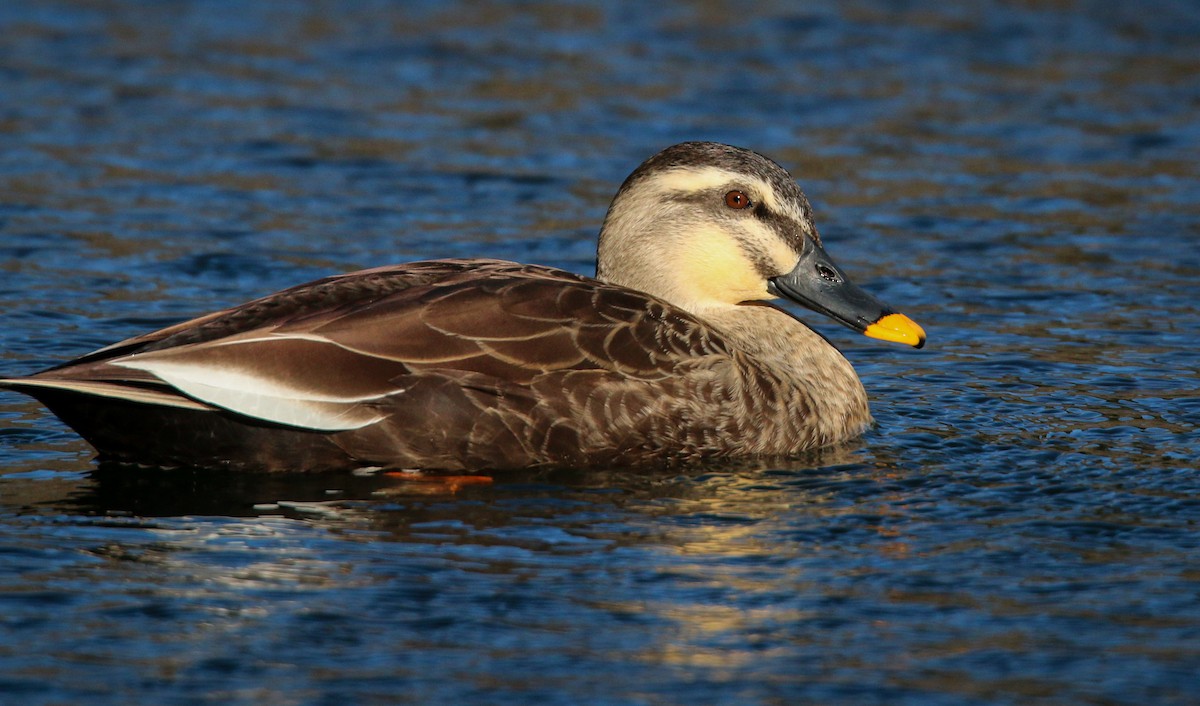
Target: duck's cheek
column 716, row 269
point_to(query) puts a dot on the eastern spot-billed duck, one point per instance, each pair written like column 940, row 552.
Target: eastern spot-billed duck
column 671, row 352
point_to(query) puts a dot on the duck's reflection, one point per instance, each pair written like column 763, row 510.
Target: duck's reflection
column 651, row 567
column 118, row 489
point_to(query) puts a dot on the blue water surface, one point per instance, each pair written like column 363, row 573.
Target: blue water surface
column 1021, row 527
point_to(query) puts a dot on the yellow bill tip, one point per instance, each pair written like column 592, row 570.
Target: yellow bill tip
column 897, row 328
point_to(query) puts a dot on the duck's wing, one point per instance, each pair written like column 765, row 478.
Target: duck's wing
column 311, row 298
column 338, row 354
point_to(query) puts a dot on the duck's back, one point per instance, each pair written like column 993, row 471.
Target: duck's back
column 468, row 364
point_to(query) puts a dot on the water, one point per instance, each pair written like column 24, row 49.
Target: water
column 1020, row 528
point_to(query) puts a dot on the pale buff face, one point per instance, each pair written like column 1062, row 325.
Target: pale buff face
column 673, row 233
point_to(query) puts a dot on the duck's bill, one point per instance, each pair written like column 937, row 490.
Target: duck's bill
column 819, row 284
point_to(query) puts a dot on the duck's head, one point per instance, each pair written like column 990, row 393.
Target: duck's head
column 707, row 226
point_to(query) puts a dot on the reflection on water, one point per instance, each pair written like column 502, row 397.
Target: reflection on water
column 1019, row 528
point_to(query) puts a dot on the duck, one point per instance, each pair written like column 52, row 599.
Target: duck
column 675, row 351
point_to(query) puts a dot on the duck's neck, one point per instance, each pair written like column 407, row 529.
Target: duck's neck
column 829, row 401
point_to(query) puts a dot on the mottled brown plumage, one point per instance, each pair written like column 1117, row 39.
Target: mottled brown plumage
column 485, row 364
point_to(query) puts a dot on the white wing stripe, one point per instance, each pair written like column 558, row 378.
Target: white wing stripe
column 257, row 397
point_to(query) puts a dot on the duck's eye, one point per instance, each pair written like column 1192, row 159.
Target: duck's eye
column 737, row 199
